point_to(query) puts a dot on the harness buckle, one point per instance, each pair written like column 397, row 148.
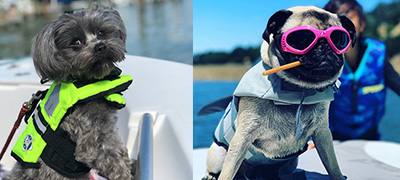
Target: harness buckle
column 34, row 97
column 29, row 106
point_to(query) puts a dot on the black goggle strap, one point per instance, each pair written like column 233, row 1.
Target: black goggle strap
column 277, row 39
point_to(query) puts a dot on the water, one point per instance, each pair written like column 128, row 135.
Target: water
column 15, row 39
column 206, row 92
column 158, row 30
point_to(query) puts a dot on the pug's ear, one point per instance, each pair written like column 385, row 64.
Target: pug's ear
column 275, row 22
column 349, row 26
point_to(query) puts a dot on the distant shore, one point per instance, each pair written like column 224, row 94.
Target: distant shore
column 226, row 72
column 234, row 72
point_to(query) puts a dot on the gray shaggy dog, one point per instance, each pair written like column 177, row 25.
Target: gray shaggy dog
column 83, row 46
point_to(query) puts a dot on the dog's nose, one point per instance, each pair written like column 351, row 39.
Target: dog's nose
column 99, row 48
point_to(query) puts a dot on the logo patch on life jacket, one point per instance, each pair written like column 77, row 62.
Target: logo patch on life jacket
column 373, row 89
column 27, row 143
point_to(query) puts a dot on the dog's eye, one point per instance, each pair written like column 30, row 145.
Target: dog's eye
column 76, row 42
column 101, row 33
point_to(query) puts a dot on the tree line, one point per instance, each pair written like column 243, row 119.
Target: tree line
column 238, row 55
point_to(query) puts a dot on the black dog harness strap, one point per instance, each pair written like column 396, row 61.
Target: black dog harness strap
column 60, row 149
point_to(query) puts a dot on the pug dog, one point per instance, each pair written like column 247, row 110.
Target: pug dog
column 79, row 48
column 271, row 118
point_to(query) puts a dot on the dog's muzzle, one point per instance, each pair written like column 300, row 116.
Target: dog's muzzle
column 100, row 48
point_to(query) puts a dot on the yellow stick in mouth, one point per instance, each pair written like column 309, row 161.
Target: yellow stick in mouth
column 280, row 68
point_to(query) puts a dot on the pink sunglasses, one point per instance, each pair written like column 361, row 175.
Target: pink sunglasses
column 300, row 40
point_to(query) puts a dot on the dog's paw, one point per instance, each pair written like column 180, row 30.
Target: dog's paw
column 210, row 176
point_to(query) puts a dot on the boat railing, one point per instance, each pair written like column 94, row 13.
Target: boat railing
column 144, row 169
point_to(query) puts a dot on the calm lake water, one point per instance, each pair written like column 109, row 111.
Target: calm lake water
column 205, row 92
column 159, row 30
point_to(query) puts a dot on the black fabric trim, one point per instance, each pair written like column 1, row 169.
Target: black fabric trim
column 116, row 105
column 225, row 146
column 119, row 88
column 81, row 83
column 296, row 154
column 23, row 163
column 286, row 86
column 112, row 76
column 59, row 154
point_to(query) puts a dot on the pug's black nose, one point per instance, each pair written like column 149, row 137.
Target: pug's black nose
column 320, row 53
column 100, row 48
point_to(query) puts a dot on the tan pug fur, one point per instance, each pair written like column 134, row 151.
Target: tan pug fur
column 269, row 128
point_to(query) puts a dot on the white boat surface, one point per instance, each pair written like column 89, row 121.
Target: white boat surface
column 164, row 89
column 358, row 159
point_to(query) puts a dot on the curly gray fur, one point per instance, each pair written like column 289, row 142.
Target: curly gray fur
column 56, row 58
column 91, row 125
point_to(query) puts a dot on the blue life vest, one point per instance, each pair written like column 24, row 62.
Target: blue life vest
column 359, row 103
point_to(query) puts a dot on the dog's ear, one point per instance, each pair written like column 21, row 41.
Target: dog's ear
column 48, row 63
column 121, row 26
column 349, row 26
column 275, row 22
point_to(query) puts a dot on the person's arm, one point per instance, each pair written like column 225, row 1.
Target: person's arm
column 392, row 78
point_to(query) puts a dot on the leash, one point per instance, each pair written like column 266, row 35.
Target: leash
column 26, row 110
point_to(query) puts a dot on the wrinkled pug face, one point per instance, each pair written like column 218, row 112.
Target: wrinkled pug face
column 316, row 38
column 82, row 45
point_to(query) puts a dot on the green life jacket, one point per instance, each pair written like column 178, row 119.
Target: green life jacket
column 44, row 138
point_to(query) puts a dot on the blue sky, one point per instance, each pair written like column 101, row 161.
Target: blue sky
column 226, row 24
